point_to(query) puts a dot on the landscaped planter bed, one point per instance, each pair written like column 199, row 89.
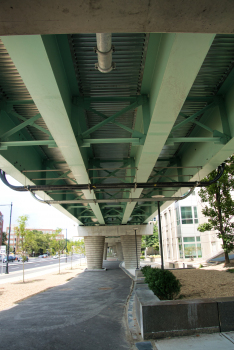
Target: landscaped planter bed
column 167, row 318
column 207, row 305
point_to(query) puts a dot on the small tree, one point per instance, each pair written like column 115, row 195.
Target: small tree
column 23, row 237
column 4, row 238
column 57, row 245
column 220, row 207
column 151, row 240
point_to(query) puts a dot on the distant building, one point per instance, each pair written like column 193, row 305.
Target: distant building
column 14, row 240
column 1, row 227
column 180, row 237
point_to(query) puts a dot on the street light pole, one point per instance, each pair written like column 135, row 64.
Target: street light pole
column 8, row 246
column 136, row 248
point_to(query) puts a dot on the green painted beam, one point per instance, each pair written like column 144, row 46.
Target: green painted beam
column 168, row 76
column 172, row 140
column 209, row 158
column 39, row 62
column 79, row 101
column 20, row 126
column 5, row 144
column 135, row 141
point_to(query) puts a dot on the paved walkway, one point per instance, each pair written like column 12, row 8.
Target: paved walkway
column 83, row 314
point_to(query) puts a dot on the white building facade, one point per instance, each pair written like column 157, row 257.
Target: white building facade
column 180, row 237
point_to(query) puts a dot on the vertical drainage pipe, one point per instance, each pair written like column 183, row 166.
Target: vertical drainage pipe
column 104, row 51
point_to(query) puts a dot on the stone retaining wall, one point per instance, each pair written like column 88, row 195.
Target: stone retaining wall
column 160, row 319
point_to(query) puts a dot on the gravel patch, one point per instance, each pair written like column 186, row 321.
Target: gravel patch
column 209, row 282
column 13, row 293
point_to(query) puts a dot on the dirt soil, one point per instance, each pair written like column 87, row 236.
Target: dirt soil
column 208, row 282
column 13, row 293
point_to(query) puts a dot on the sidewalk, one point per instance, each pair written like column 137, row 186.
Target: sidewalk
column 86, row 313
column 36, row 271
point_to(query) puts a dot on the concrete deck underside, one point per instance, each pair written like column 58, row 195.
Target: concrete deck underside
column 85, row 313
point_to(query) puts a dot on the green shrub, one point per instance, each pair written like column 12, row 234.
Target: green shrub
column 145, row 269
column 162, row 282
column 230, row 270
column 142, row 257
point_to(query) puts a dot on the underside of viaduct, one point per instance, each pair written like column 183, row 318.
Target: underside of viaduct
column 162, row 113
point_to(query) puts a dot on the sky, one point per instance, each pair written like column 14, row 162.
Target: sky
column 40, row 215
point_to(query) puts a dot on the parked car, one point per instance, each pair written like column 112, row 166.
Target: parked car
column 55, row 256
column 41, row 256
column 11, row 258
column 20, row 258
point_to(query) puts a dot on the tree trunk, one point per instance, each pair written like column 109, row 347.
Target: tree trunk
column 227, row 261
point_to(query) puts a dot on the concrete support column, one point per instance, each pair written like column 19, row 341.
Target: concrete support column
column 129, row 251
column 114, row 248
column 119, row 251
column 105, row 251
column 94, row 247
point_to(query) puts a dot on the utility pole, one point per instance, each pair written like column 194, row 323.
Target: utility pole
column 8, row 246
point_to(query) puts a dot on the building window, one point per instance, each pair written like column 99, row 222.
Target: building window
column 181, row 251
column 189, row 215
column 177, row 216
column 189, row 239
column 165, row 216
column 195, row 215
column 192, row 249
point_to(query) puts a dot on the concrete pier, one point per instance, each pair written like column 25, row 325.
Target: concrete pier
column 129, row 251
column 94, row 247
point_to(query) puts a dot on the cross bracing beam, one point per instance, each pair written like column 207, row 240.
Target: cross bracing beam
column 168, row 77
column 135, row 141
column 139, row 100
column 5, row 144
column 39, row 63
column 20, row 126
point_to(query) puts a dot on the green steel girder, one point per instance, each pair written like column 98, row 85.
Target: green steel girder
column 13, row 161
column 167, row 89
column 220, row 118
column 39, row 59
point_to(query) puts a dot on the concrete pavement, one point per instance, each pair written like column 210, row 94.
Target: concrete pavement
column 86, row 313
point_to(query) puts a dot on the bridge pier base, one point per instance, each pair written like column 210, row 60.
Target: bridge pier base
column 94, row 247
column 119, row 251
column 129, row 251
column 105, row 251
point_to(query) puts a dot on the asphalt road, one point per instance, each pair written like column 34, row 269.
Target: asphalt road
column 36, row 262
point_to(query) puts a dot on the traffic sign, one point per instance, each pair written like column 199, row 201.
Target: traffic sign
column 2, row 249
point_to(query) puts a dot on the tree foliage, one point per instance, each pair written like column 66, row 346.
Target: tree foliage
column 4, row 238
column 219, row 207
column 152, row 240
